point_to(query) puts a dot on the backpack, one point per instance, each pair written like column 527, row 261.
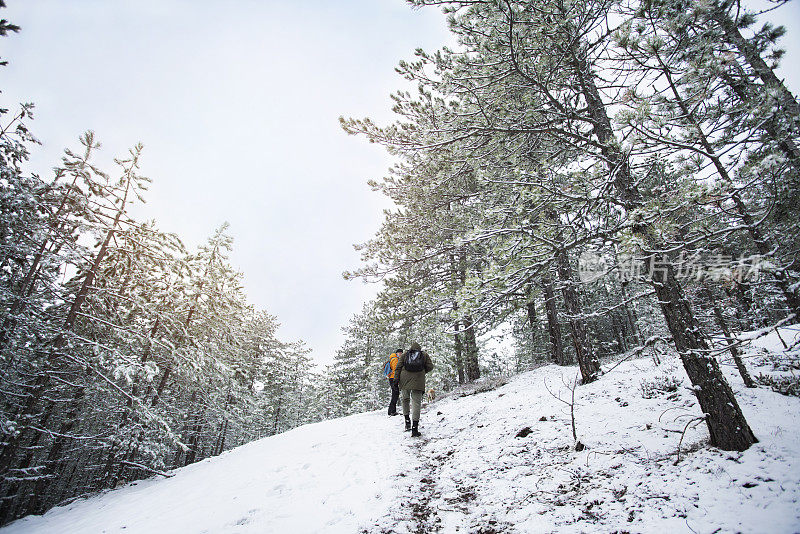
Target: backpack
column 414, row 362
column 387, row 367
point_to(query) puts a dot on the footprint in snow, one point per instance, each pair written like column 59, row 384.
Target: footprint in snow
column 246, row 519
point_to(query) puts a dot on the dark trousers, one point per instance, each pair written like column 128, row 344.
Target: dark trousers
column 395, row 395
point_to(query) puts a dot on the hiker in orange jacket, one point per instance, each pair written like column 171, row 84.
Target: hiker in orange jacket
column 393, row 382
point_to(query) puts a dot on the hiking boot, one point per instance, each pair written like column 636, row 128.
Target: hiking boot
column 415, row 430
column 408, row 423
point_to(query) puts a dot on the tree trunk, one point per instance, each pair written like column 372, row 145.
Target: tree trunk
column 459, row 353
column 11, row 499
column 630, row 313
column 530, row 307
column 54, row 455
column 618, row 326
column 277, row 413
column 533, row 321
column 220, row 445
column 11, row 447
column 587, row 359
column 726, row 423
column 744, row 304
column 734, row 350
column 470, row 347
column 553, row 328
column 162, row 384
column 472, row 369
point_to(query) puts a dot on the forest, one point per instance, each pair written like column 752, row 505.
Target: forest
column 598, row 179
column 123, row 353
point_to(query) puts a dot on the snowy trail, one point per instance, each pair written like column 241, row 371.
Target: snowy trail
column 326, row 477
column 474, row 475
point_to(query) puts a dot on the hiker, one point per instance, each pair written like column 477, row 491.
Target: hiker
column 389, row 371
column 410, row 373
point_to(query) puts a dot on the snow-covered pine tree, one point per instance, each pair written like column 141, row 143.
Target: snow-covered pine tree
column 470, row 102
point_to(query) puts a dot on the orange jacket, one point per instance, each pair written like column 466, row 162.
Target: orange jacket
column 392, row 364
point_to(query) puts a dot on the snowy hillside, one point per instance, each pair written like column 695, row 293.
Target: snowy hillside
column 472, row 473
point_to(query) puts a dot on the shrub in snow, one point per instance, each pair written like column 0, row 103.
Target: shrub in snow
column 659, row 385
column 785, row 385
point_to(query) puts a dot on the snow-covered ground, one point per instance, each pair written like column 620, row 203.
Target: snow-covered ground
column 325, row 477
column 471, row 473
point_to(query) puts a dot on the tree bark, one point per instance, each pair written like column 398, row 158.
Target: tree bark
column 470, row 352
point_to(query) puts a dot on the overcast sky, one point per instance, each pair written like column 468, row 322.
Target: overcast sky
column 237, row 104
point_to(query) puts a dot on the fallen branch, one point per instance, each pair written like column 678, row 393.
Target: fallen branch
column 683, row 434
column 144, row 467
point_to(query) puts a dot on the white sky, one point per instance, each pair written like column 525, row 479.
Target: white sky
column 237, row 107
column 237, row 104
